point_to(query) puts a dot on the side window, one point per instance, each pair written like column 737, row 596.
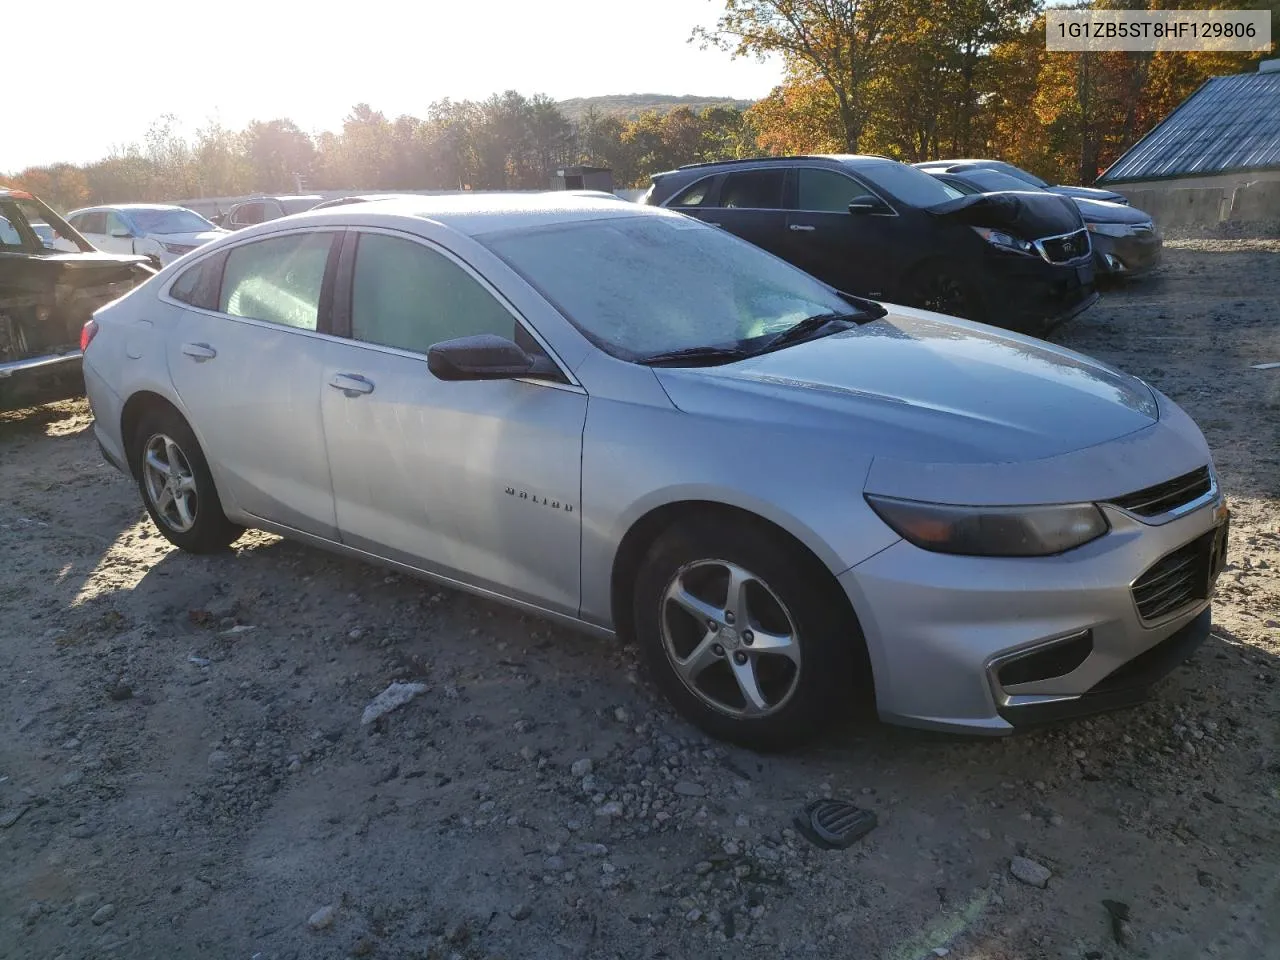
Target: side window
column 753, row 190
column 247, row 214
column 695, row 195
column 408, row 296
column 277, row 280
column 825, row 190
column 960, row 185
column 116, row 225
column 9, row 235
column 93, row 222
column 198, row 285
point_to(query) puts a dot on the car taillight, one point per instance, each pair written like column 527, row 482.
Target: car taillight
column 87, row 333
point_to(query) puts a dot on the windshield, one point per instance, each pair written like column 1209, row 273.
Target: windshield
column 641, row 286
column 1020, row 174
column 169, row 221
column 991, row 180
column 906, row 183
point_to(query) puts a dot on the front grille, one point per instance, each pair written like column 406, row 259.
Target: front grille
column 1071, row 246
column 1167, row 496
column 1180, row 578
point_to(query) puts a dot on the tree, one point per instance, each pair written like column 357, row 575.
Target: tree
column 833, row 42
column 277, row 152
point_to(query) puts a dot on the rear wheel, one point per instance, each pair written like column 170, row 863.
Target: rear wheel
column 177, row 487
column 743, row 633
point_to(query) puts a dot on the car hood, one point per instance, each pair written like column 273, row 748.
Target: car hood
column 190, row 239
column 1101, row 211
column 1028, row 213
column 1089, row 193
column 927, row 388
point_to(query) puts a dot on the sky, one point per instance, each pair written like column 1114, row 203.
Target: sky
column 101, row 72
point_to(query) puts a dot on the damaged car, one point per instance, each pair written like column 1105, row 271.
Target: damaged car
column 51, row 281
column 1126, row 241
column 885, row 230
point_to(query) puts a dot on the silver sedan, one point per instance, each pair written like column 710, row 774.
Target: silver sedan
column 796, row 502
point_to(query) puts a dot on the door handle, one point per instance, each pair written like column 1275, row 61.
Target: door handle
column 199, row 352
column 801, row 227
column 351, row 384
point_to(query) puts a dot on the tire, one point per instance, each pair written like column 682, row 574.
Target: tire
column 941, row 289
column 190, row 516
column 804, row 689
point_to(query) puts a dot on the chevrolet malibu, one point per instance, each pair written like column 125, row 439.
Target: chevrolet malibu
column 797, row 502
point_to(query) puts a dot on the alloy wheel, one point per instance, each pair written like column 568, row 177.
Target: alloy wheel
column 170, row 482
column 943, row 293
column 731, row 641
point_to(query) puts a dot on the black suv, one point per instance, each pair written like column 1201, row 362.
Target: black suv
column 51, row 281
column 885, row 230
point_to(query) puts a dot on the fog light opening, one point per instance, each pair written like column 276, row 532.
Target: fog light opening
column 1054, row 659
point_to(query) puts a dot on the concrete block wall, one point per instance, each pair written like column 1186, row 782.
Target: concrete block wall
column 1187, row 203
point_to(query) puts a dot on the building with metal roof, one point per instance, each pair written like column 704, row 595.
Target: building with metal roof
column 1227, row 132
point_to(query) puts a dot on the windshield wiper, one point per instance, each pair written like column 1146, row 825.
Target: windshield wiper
column 810, row 326
column 695, row 357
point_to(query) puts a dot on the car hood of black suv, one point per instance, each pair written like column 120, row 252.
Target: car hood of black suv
column 1030, row 214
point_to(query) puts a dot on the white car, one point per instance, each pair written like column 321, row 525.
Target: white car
column 159, row 231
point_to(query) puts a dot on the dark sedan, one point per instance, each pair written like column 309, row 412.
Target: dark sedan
column 1126, row 242
column 884, row 230
column 1082, row 193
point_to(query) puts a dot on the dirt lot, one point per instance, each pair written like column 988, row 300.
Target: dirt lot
column 183, row 772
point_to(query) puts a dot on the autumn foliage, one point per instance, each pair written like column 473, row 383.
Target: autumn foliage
column 910, row 79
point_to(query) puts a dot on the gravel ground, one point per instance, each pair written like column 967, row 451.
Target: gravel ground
column 183, row 770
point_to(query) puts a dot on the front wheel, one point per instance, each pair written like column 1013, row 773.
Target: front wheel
column 941, row 289
column 177, row 487
column 745, row 635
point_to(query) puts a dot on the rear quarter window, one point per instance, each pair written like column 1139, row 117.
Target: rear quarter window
column 198, row 284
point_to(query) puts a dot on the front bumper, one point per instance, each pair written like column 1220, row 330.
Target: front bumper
column 1127, row 256
column 938, row 627
column 44, row 379
column 1031, row 295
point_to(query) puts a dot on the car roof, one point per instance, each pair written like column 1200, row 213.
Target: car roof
column 283, row 196
column 711, row 167
column 128, row 206
column 474, row 214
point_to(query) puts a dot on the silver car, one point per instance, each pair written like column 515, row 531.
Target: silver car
column 796, row 503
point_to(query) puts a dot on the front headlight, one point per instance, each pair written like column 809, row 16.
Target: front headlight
column 1005, row 241
column 178, row 248
column 991, row 531
column 1116, row 229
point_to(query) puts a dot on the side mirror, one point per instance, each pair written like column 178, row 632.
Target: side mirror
column 121, row 234
column 482, row 357
column 866, row 204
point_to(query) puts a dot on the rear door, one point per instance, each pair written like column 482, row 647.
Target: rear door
column 93, row 225
column 245, row 359
column 751, row 205
column 852, row 252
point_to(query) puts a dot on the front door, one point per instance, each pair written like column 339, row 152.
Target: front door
column 119, row 238
column 473, row 480
column 852, row 252
column 249, row 372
